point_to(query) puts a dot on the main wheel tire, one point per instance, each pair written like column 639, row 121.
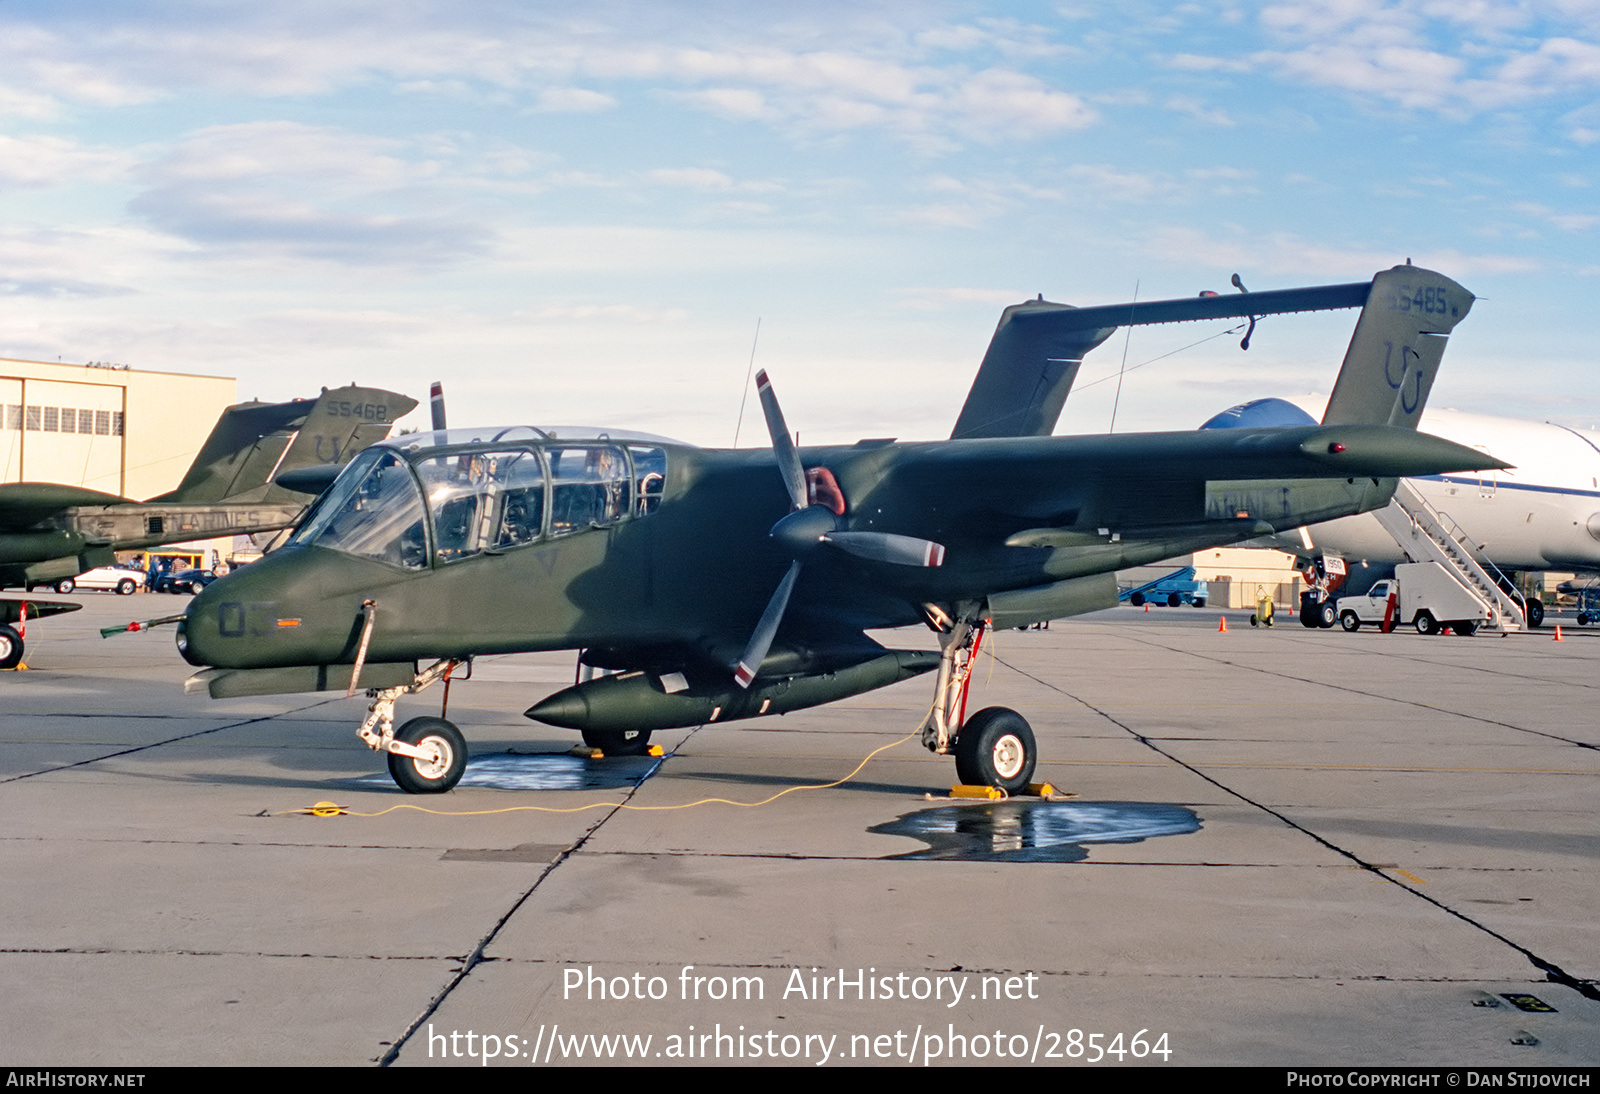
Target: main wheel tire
column 125, row 587
column 1467, row 627
column 10, row 647
column 995, row 748
column 1199, row 601
column 1535, row 613
column 443, row 770
column 1327, row 616
column 1350, row 621
column 618, row 742
column 1426, row 623
column 1583, row 619
column 1137, row 600
column 1174, row 600
column 66, row 586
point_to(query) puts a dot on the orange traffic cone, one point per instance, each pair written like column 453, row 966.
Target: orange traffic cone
column 1147, row 606
column 1222, row 624
column 1558, row 637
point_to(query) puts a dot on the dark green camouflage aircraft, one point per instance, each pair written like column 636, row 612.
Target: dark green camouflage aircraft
column 715, row 585
column 50, row 533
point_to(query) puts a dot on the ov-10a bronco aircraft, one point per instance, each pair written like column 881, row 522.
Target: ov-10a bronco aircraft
column 724, row 584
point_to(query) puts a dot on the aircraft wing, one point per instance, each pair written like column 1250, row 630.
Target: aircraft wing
column 25, row 504
column 987, row 491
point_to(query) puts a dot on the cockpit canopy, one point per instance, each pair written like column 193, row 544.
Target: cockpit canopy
column 436, row 498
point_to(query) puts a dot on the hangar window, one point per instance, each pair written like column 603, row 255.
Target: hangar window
column 13, row 416
column 52, row 419
column 35, row 418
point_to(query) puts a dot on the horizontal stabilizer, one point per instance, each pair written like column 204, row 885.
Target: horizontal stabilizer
column 1038, row 347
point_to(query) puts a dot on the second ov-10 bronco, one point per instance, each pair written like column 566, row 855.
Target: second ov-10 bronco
column 716, row 584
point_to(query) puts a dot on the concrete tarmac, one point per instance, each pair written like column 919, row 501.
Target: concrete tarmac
column 1338, row 849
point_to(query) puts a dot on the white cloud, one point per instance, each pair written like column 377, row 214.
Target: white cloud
column 1198, row 110
column 931, row 299
column 572, row 100
column 874, row 75
column 1566, row 222
column 41, row 161
column 604, row 313
column 707, row 179
column 312, row 192
column 1287, row 254
column 730, row 102
column 1455, row 58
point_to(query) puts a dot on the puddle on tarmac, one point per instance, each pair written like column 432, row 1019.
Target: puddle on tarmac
column 551, row 771
column 1015, row 831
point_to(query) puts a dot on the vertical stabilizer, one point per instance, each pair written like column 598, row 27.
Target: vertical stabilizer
column 1026, row 374
column 254, row 442
column 1395, row 351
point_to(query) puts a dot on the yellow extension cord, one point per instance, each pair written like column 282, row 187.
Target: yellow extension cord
column 332, row 809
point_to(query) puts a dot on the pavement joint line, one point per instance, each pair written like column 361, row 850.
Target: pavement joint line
column 1350, row 691
column 168, row 741
column 476, row 957
column 225, row 843
column 686, row 852
column 1585, row 987
column 110, row 951
column 780, row 857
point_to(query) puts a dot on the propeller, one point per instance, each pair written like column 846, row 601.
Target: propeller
column 436, row 400
column 815, row 518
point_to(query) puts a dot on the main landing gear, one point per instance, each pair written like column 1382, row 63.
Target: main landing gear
column 619, row 742
column 10, row 647
column 994, row 747
column 426, row 755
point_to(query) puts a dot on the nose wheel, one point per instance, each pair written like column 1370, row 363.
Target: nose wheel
column 437, row 758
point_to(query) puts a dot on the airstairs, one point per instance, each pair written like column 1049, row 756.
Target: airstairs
column 1427, row 535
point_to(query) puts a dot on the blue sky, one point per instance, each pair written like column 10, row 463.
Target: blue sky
column 579, row 212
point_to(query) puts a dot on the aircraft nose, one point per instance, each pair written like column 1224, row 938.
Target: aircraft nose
column 226, row 623
column 197, row 631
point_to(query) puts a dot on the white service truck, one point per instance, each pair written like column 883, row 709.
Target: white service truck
column 1426, row 595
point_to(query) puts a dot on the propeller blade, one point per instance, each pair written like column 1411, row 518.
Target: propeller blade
column 436, row 401
column 794, row 476
column 766, row 630
column 887, row 547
